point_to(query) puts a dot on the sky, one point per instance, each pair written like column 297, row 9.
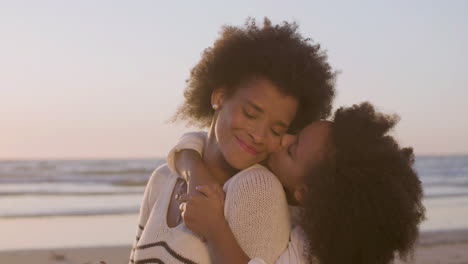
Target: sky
column 101, row 79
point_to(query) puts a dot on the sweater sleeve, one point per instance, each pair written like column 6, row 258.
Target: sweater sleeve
column 295, row 253
column 257, row 261
column 190, row 140
column 257, row 212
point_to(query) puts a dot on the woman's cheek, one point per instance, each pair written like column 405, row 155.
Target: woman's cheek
column 239, row 120
column 225, row 123
column 273, row 144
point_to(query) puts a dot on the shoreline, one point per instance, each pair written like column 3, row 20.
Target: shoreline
column 443, row 237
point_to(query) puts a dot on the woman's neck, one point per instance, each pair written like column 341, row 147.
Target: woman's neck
column 215, row 160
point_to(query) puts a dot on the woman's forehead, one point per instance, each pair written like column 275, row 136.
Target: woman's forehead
column 259, row 88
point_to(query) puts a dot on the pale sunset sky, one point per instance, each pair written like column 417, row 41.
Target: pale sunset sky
column 100, row 79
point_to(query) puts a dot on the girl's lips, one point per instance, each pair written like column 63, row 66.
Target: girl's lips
column 246, row 147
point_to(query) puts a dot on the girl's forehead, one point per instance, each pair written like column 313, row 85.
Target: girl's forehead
column 313, row 140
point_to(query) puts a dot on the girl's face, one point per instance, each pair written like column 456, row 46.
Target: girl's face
column 297, row 155
column 249, row 124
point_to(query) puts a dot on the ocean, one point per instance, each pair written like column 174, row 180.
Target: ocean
column 72, row 187
column 98, row 187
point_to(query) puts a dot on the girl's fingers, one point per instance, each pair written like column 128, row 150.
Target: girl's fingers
column 183, row 197
column 182, row 207
column 207, row 190
column 219, row 192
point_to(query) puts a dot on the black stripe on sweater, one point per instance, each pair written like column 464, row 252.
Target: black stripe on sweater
column 151, row 260
column 168, row 249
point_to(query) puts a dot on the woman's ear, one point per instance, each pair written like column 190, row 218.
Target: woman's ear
column 217, row 96
column 299, row 194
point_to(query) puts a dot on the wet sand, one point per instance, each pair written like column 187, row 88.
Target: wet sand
column 90, row 239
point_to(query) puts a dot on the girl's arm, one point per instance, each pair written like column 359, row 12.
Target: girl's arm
column 185, row 158
column 205, row 204
column 205, row 217
column 203, row 214
column 189, row 164
column 223, row 246
column 257, row 213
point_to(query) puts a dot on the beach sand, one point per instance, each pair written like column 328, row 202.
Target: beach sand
column 89, row 239
column 110, row 254
column 449, row 247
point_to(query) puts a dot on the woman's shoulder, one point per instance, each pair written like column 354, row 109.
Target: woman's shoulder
column 159, row 180
column 256, row 178
column 161, row 173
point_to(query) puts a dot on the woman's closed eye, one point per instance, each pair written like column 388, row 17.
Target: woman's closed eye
column 247, row 114
column 277, row 134
column 289, row 150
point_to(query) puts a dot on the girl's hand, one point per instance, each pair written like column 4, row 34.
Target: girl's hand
column 204, row 213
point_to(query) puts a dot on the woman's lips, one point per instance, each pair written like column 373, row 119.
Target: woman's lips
column 246, row 147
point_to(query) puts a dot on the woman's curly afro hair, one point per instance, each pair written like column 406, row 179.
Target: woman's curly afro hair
column 364, row 200
column 275, row 52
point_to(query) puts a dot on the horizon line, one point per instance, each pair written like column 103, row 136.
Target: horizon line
column 163, row 157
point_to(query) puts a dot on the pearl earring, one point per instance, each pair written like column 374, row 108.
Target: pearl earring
column 215, row 106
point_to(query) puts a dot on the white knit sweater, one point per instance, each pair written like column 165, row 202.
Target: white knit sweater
column 255, row 209
column 294, row 254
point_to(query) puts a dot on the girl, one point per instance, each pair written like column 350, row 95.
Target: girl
column 360, row 197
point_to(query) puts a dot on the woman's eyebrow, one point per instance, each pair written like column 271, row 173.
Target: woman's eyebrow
column 256, row 107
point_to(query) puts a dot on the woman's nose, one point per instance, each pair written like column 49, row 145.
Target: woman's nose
column 258, row 135
column 288, row 139
column 259, row 132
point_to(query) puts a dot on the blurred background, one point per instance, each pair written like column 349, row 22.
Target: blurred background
column 87, row 89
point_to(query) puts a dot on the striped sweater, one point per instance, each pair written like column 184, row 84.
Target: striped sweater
column 255, row 208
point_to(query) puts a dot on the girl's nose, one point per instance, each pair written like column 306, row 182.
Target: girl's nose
column 288, row 139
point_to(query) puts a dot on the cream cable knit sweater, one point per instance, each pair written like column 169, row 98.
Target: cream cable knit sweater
column 255, row 208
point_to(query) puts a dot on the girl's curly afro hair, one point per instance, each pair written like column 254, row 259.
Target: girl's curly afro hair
column 275, row 52
column 364, row 200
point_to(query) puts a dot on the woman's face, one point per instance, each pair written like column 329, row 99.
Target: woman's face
column 298, row 154
column 250, row 123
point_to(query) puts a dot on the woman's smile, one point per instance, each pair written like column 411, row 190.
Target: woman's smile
column 247, row 148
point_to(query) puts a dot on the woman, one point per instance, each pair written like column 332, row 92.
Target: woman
column 361, row 199
column 253, row 86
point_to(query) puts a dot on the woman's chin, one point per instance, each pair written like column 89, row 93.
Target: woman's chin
column 264, row 163
column 240, row 164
